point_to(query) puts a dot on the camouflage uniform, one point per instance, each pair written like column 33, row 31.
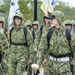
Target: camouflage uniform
column 20, row 48
column 73, row 30
column 58, row 46
column 3, row 53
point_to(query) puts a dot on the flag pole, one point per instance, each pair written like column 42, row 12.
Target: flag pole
column 35, row 10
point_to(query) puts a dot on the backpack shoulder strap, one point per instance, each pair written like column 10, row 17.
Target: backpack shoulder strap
column 68, row 35
column 41, row 28
column 33, row 34
column 10, row 34
column 25, row 31
column 49, row 35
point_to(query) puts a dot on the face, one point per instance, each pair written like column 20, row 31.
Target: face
column 54, row 23
column 35, row 27
column 29, row 26
column 17, row 21
column 1, row 24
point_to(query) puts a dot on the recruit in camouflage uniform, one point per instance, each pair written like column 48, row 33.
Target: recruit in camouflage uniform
column 42, row 29
column 57, row 63
column 3, row 49
column 20, row 47
column 28, row 23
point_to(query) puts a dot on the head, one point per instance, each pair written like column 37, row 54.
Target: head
column 18, row 19
column 28, row 23
column 2, row 22
column 68, row 24
column 56, row 18
column 35, row 25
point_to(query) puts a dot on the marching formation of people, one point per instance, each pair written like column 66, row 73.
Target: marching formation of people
column 29, row 46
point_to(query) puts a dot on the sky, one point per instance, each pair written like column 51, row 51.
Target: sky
column 71, row 2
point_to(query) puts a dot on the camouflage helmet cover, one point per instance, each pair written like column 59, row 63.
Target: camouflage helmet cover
column 35, row 22
column 68, row 22
column 18, row 15
column 28, row 22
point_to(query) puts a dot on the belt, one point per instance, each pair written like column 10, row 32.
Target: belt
column 25, row 44
column 64, row 59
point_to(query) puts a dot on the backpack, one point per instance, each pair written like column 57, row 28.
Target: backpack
column 49, row 35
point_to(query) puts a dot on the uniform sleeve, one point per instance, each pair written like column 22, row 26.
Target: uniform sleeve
column 42, row 48
column 73, row 41
column 29, row 42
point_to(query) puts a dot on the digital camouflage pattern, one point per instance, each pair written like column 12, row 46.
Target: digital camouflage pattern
column 3, row 53
column 58, row 46
column 20, row 54
column 73, row 30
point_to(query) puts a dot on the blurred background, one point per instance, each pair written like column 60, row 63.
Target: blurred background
column 27, row 9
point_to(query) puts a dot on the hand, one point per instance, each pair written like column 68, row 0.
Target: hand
column 35, row 49
column 30, row 61
column 44, row 62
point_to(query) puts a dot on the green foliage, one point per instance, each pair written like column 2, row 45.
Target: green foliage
column 69, row 12
column 26, row 11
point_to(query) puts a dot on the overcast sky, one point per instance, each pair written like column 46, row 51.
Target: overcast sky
column 71, row 2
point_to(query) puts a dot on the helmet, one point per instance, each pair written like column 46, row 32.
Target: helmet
column 59, row 15
column 18, row 15
column 68, row 22
column 35, row 22
column 28, row 22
